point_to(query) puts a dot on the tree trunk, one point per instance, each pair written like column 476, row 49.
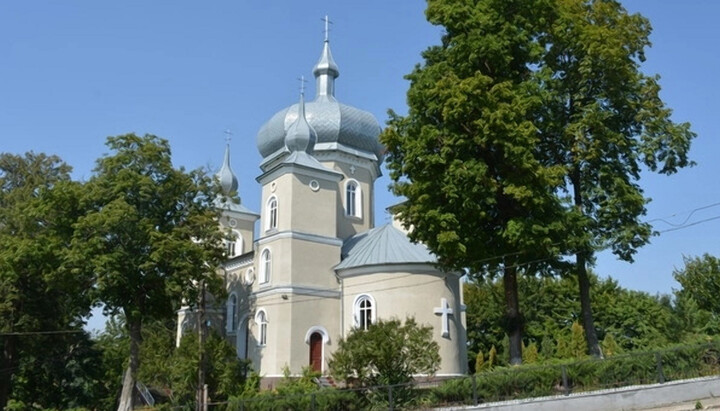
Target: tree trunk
column 7, row 368
column 513, row 318
column 585, row 307
column 127, row 397
column 583, row 281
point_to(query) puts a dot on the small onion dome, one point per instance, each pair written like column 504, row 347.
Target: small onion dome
column 300, row 136
column 335, row 124
column 228, row 180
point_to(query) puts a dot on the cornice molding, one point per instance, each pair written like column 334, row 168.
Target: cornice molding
column 296, row 290
column 314, row 238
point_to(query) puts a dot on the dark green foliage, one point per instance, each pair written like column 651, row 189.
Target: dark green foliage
column 636, row 320
column 526, row 132
column 530, row 354
column 225, row 377
column 171, row 369
column 700, row 280
column 571, row 343
column 59, row 371
column 465, row 157
column 149, row 231
column 38, row 207
column 298, row 393
column 387, row 353
column 603, row 119
column 610, row 346
column 114, row 345
column 621, row 370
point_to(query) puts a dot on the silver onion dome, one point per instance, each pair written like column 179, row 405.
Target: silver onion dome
column 336, row 125
column 228, row 180
column 300, row 136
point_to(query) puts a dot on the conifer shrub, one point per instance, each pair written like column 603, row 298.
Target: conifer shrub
column 530, row 354
column 610, row 346
column 479, row 361
column 620, row 370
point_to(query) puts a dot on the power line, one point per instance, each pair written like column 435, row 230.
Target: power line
column 22, row 333
column 690, row 225
column 693, row 211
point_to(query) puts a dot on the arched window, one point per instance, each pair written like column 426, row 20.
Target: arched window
column 353, row 199
column 235, row 246
column 364, row 311
column 265, row 266
column 262, row 322
column 231, row 313
column 272, row 214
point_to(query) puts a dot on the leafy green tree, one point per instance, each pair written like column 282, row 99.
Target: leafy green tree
column 700, row 279
column 114, row 344
column 527, row 104
column 388, row 352
column 465, row 156
column 42, row 304
column 149, row 234
column 603, row 120
column 637, row 320
column 165, row 367
column 225, row 376
column 690, row 319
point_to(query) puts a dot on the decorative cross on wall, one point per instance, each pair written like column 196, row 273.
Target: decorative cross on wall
column 445, row 311
column 352, row 169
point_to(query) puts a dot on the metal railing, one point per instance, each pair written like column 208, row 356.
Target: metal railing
column 500, row 384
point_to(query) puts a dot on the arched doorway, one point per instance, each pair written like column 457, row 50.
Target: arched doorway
column 316, row 347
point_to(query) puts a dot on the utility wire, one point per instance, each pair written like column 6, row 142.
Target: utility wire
column 693, row 211
column 22, row 333
column 690, row 225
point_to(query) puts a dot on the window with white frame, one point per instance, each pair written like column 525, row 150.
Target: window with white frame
column 235, row 245
column 364, row 311
column 353, row 199
column 262, row 322
column 232, row 313
column 272, row 214
column 265, row 266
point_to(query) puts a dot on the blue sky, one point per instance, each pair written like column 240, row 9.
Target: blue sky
column 74, row 72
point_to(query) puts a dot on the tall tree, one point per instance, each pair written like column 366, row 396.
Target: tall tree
column 465, row 158
column 602, row 120
column 39, row 299
column 150, row 232
column 700, row 280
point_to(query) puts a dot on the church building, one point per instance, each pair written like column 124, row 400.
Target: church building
column 316, row 266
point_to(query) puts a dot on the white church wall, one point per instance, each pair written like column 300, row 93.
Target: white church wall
column 347, row 226
column 415, row 293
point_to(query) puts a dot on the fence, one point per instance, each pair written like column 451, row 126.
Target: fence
column 525, row 381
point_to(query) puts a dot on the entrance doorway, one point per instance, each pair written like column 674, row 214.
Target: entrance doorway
column 316, row 347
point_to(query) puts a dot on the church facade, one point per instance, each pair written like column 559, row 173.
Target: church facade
column 316, row 267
